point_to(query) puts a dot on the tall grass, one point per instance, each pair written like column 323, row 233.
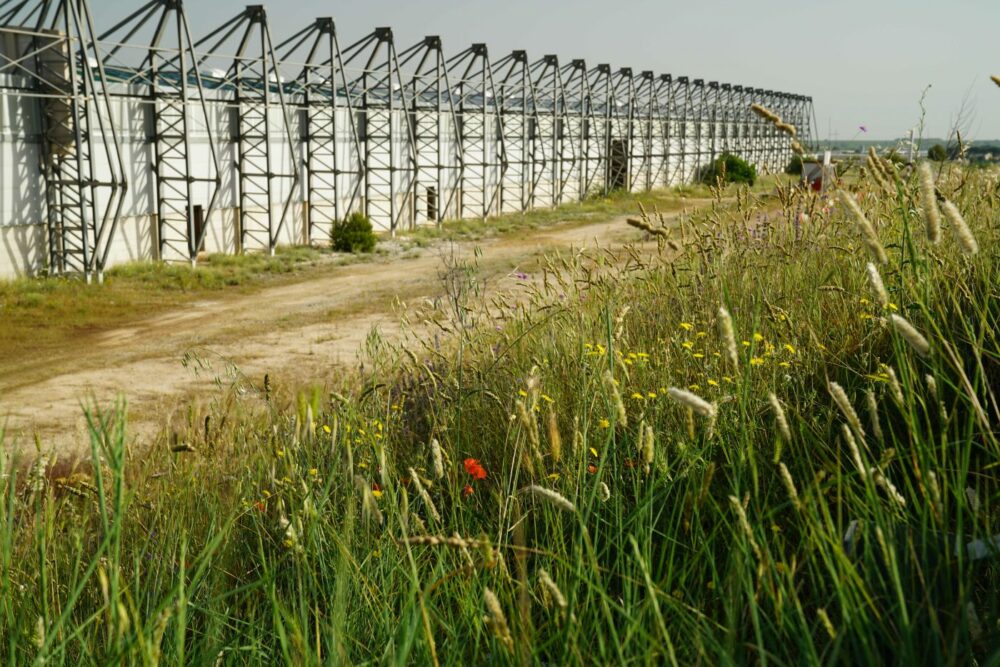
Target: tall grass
column 584, row 471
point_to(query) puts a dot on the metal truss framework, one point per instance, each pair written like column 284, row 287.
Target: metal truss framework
column 408, row 137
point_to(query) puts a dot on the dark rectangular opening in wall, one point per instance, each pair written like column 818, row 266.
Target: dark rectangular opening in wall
column 198, row 213
column 618, row 165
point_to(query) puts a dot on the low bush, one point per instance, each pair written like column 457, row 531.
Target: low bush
column 728, row 168
column 353, row 234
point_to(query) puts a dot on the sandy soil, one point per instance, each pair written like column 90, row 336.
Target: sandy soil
column 303, row 331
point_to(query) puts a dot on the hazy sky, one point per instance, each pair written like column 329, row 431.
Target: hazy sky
column 864, row 62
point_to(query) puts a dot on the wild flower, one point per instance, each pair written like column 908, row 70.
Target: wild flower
column 474, row 468
column 911, row 335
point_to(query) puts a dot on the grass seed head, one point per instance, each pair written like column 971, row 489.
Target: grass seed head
column 729, row 337
column 496, row 619
column 878, row 287
column 844, row 404
column 779, row 417
column 911, row 335
column 928, row 201
column 966, row 241
column 692, row 401
column 554, row 498
column 437, row 458
column 868, row 233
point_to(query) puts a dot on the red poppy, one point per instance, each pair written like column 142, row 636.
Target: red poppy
column 260, row 505
column 475, row 468
column 467, row 491
column 592, row 469
column 629, row 463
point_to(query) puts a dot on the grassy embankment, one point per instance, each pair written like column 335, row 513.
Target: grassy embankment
column 813, row 499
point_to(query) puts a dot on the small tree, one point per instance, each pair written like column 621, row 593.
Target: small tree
column 354, row 234
column 729, row 168
column 937, row 153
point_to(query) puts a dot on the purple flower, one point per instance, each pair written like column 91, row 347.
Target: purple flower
column 520, row 275
column 862, row 128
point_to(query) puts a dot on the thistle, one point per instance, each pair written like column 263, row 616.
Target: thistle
column 912, row 336
column 928, row 200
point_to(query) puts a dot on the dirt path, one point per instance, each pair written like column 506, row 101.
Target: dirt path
column 304, row 330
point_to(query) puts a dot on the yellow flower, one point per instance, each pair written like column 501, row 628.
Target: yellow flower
column 547, row 398
column 757, row 337
column 377, row 493
column 687, row 344
column 604, row 423
column 642, row 355
column 554, row 477
column 694, row 387
column 726, row 378
column 637, row 396
column 651, row 394
column 700, row 334
column 785, row 364
column 326, row 429
column 746, row 343
column 698, row 355
column 594, row 452
column 522, row 393
column 712, row 383
column 313, row 472
column 788, row 347
column 280, row 453
column 756, row 361
column 687, row 326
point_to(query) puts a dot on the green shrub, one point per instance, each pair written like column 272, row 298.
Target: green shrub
column 937, row 153
column 729, row 168
column 794, row 167
column 353, row 234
